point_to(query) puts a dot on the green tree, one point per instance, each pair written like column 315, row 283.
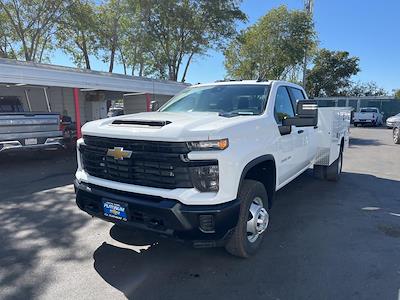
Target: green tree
column 362, row 89
column 274, row 47
column 135, row 46
column 183, row 29
column 111, row 16
column 331, row 73
column 76, row 32
column 33, row 23
column 397, row 94
column 6, row 37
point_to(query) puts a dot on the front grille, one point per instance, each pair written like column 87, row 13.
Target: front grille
column 153, row 164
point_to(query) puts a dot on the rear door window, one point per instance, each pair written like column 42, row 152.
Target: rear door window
column 283, row 105
column 296, row 96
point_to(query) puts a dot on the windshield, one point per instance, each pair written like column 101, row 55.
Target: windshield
column 225, row 99
column 369, row 110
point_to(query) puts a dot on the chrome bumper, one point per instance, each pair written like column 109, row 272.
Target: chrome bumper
column 52, row 142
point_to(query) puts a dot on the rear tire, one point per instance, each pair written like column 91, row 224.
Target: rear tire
column 335, row 169
column 396, row 135
column 253, row 220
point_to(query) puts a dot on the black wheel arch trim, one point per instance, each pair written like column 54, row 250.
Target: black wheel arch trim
column 251, row 164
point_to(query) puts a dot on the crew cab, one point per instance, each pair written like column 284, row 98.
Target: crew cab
column 27, row 130
column 368, row 116
column 205, row 167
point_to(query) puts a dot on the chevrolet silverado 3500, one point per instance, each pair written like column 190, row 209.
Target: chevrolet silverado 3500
column 205, row 167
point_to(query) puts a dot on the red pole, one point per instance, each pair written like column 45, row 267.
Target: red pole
column 77, row 114
column 148, row 102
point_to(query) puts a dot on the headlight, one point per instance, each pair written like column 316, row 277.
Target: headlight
column 205, row 178
column 209, row 145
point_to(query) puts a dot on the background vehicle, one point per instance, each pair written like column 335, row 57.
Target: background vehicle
column 396, row 133
column 27, row 130
column 391, row 121
column 206, row 166
column 368, row 116
column 115, row 111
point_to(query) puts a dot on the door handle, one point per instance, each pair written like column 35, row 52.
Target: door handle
column 300, row 131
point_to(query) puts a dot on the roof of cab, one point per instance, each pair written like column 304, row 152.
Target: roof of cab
column 242, row 82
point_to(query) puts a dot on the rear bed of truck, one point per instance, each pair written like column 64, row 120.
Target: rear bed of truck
column 333, row 128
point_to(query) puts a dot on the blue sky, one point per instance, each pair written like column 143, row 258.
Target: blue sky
column 365, row 28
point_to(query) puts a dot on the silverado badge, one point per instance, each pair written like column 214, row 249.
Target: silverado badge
column 119, row 153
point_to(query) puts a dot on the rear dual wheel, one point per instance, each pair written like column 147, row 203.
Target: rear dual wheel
column 332, row 172
column 253, row 220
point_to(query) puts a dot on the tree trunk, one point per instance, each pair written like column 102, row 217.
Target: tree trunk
column 187, row 67
column 112, row 57
column 85, row 54
column 141, row 68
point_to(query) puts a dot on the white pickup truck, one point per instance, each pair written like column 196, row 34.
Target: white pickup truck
column 205, row 167
column 368, row 116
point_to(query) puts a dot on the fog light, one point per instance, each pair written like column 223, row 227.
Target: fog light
column 207, row 224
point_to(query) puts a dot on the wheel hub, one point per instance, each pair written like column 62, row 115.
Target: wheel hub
column 258, row 220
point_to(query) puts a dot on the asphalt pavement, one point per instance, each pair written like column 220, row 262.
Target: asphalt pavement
column 325, row 241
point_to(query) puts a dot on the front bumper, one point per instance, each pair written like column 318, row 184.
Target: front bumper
column 204, row 225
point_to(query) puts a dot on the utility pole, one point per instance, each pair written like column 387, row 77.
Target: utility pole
column 308, row 8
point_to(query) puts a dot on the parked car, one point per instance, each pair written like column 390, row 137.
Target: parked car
column 115, row 111
column 23, row 130
column 205, row 167
column 391, row 121
column 396, row 133
column 368, row 116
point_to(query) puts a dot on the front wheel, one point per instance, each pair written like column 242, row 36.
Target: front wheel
column 253, row 220
column 396, row 135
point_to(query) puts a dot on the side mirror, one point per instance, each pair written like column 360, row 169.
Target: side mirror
column 306, row 116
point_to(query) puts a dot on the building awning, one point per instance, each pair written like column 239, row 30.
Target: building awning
column 17, row 72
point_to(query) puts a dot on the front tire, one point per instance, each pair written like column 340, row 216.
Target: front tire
column 253, row 220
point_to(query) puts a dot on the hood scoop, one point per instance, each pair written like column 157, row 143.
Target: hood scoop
column 141, row 123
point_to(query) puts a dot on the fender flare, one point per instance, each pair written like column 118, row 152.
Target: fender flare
column 251, row 164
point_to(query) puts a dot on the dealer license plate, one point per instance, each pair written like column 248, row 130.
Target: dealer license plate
column 115, row 210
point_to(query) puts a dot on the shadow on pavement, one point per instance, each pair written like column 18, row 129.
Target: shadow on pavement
column 29, row 172
column 364, row 142
column 321, row 241
column 29, row 228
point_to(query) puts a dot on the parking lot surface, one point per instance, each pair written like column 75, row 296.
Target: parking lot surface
column 325, row 241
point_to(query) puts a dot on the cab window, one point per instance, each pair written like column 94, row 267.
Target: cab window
column 283, row 105
column 296, row 95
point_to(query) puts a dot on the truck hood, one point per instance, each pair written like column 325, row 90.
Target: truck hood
column 163, row 126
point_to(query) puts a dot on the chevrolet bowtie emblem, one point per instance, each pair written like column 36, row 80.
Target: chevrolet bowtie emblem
column 119, row 153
